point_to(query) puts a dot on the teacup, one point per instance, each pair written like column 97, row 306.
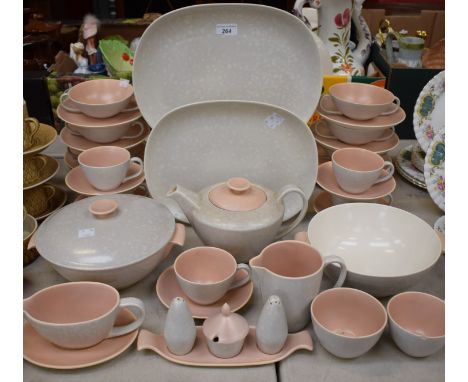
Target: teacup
column 32, row 168
column 356, row 170
column 206, row 274
column 348, row 322
column 417, row 323
column 77, row 315
column 30, row 129
column 105, row 167
column 293, row 270
column 410, row 52
column 360, row 101
column 36, row 200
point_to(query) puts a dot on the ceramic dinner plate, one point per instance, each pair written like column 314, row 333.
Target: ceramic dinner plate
column 76, row 181
column 206, row 143
column 57, row 201
column 227, row 52
column 167, row 288
column 378, row 147
column 48, row 172
column 326, row 179
column 43, row 138
column 379, row 122
column 324, row 200
column 434, row 170
column 405, row 167
column 42, row 353
column 200, row 356
column 429, row 112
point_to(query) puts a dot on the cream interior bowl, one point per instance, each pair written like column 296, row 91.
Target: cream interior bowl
column 227, row 52
column 386, row 249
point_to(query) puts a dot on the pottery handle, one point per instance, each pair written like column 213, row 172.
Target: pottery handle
column 32, row 241
column 386, row 136
column 67, row 108
column 33, row 121
column 140, row 131
column 395, row 109
column 178, row 238
column 335, row 112
column 343, row 270
column 302, row 236
column 245, row 279
column 390, row 169
column 319, row 123
column 305, row 204
column 388, row 199
column 138, row 173
column 50, row 191
column 136, row 305
column 297, row 11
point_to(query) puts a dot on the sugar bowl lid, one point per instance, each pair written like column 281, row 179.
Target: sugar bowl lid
column 226, row 327
column 237, row 194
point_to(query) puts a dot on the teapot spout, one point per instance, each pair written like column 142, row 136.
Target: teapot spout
column 188, row 201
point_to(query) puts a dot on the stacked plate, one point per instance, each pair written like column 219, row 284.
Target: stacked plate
column 355, row 115
column 101, row 113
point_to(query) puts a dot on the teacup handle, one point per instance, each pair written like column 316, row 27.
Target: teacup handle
column 386, row 136
column 397, row 106
column 50, row 190
column 335, row 112
column 140, row 162
column 305, row 205
column 139, row 310
column 343, row 270
column 390, row 169
column 35, row 128
column 244, row 280
column 319, row 123
column 67, row 108
column 42, row 160
column 140, row 131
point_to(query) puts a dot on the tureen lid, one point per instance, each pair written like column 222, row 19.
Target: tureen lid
column 103, row 232
column 225, row 327
column 237, row 194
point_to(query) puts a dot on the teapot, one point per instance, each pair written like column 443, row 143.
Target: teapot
column 238, row 216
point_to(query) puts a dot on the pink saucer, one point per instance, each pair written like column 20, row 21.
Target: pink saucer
column 41, row 352
column 378, row 147
column 167, row 288
column 377, row 122
column 76, row 181
column 324, row 200
column 326, row 179
column 80, row 143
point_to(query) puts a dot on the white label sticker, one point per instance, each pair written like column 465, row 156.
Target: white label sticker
column 86, row 232
column 226, row 29
column 124, row 83
column 274, row 120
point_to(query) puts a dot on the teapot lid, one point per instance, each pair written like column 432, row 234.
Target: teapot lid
column 226, row 327
column 237, row 194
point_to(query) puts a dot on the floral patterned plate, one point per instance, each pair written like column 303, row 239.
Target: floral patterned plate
column 434, row 170
column 406, row 169
column 429, row 112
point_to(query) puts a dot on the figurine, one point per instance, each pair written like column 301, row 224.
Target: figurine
column 272, row 326
column 90, row 30
column 179, row 329
column 76, row 53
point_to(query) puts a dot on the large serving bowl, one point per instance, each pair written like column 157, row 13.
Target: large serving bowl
column 114, row 239
column 386, row 250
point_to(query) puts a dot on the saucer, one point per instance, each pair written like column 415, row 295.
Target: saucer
column 41, row 352
column 76, row 181
column 167, row 288
column 326, row 179
column 79, row 143
column 140, row 191
column 48, row 172
column 43, row 138
column 324, row 200
column 405, row 167
column 58, row 201
column 381, row 121
column 378, row 147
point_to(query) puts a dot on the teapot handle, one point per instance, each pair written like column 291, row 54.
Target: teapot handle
column 283, row 192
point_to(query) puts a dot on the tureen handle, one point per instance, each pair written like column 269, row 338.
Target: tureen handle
column 283, row 192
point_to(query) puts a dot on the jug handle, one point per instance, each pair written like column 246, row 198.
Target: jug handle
column 343, row 270
column 283, row 192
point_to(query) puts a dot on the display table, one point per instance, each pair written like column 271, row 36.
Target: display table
column 384, row 362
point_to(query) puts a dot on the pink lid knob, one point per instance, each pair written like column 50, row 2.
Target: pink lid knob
column 238, row 185
column 103, row 208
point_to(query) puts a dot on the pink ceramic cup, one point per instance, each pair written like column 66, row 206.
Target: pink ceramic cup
column 356, row 170
column 106, row 167
column 205, row 274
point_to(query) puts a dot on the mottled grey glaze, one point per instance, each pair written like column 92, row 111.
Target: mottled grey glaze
column 179, row 328
column 272, row 326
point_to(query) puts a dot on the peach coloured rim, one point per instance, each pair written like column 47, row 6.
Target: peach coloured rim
column 85, row 83
column 361, row 150
column 401, row 327
column 102, row 285
column 97, row 362
column 341, row 335
column 188, row 251
column 330, row 90
column 103, row 125
column 295, row 242
column 104, row 148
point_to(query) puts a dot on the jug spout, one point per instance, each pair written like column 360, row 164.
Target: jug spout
column 188, row 201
